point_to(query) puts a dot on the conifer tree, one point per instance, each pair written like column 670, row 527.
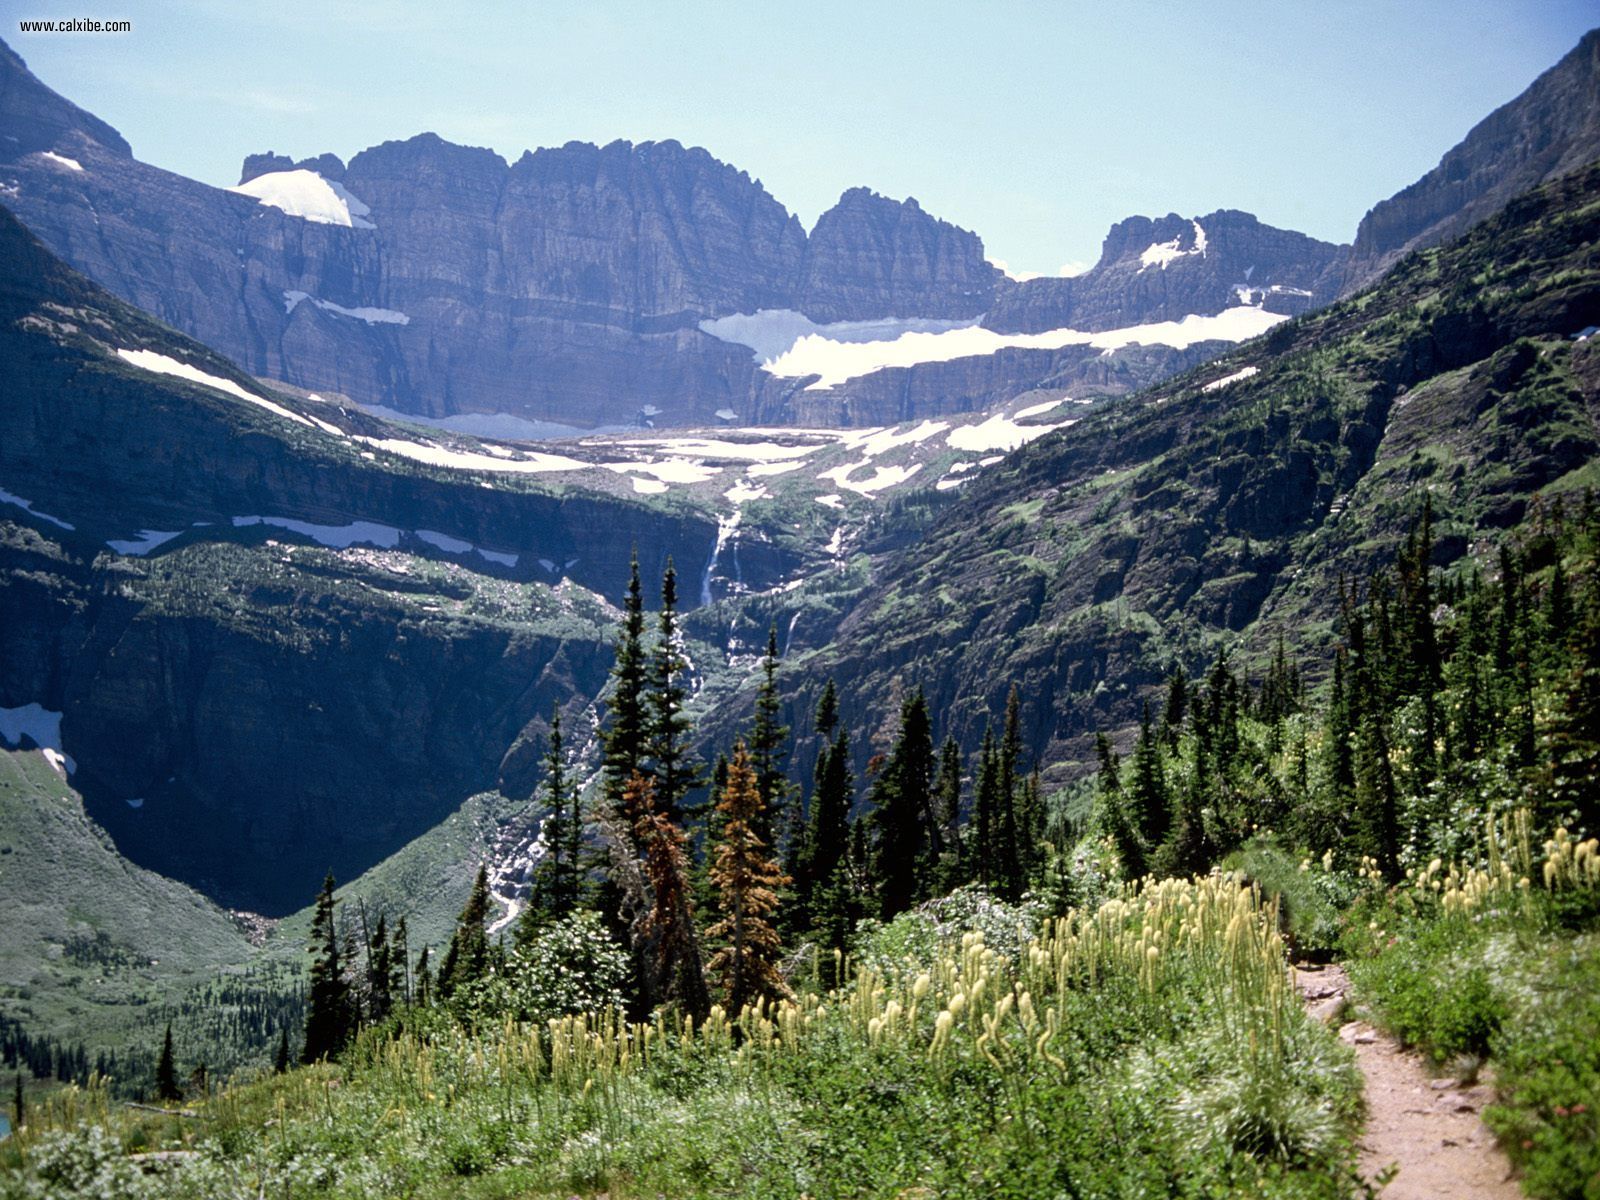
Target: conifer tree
column 667, row 725
column 666, row 932
column 553, row 892
column 768, row 748
column 167, row 1071
column 947, row 790
column 1114, row 808
column 400, row 965
column 19, row 1110
column 329, row 1011
column 828, row 836
column 627, row 723
column 1150, row 809
column 467, row 957
column 380, row 970
column 1010, row 849
column 280, row 1060
column 1177, row 707
column 902, row 810
column 746, row 877
column 424, row 977
column 986, row 813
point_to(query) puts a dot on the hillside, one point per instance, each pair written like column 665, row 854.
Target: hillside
column 1224, row 505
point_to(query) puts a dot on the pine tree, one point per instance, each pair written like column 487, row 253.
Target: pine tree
column 167, row 1071
column 1149, row 807
column 380, row 970
column 1114, row 808
column 399, row 965
column 768, row 741
column 666, row 932
column 624, row 736
column 1010, row 849
column 424, row 977
column 986, row 813
column 828, row 835
column 280, row 1060
column 1177, row 707
column 329, row 1012
column 947, row 791
column 467, row 958
column 746, row 877
column 902, row 810
column 553, row 892
column 667, row 725
column 19, row 1109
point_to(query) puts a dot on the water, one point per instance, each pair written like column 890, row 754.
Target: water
column 5, row 1127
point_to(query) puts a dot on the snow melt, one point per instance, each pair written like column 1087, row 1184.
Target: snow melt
column 743, row 492
column 372, row 316
column 161, row 364
column 61, row 160
column 882, row 477
column 836, row 362
column 466, row 460
column 670, row 470
column 717, row 448
column 309, row 196
column 27, row 507
column 1216, row 385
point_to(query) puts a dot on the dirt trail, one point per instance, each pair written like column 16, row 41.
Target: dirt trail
column 1429, row 1126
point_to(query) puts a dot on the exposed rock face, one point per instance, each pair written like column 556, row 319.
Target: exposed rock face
column 873, row 257
column 1164, row 269
column 329, row 166
column 1551, row 129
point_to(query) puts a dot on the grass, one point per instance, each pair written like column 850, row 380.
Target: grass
column 1150, row 1046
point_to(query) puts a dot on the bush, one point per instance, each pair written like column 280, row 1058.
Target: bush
column 573, row 965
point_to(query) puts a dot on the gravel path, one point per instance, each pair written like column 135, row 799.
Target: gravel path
column 1427, row 1126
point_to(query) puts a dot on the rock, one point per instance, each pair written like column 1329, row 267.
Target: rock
column 1163, row 269
column 1329, row 1011
column 1550, row 129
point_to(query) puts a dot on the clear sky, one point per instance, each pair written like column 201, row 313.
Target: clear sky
column 1037, row 124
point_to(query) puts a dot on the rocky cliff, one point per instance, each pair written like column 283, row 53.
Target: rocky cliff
column 1549, row 130
column 275, row 650
column 1166, row 268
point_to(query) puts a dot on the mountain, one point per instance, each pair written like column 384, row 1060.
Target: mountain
column 1222, row 506
column 581, row 285
column 1550, row 129
column 272, row 639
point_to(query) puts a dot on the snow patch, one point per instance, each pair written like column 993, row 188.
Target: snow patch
column 27, row 507
column 648, row 487
column 760, row 470
column 670, row 470
column 146, row 541
column 41, row 726
column 1216, row 385
column 832, row 500
column 309, row 196
column 450, row 545
column 770, row 332
column 161, row 364
column 1163, row 254
column 836, row 362
column 496, row 556
column 717, row 448
column 372, row 316
column 135, row 801
column 466, row 460
column 999, row 432
column 742, row 492
column 873, row 442
column 61, row 160
column 1033, row 410
column 338, row 537
column 882, row 477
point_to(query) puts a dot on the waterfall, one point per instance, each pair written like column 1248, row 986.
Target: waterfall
column 726, row 526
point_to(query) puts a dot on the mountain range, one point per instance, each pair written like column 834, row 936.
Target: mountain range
column 265, row 611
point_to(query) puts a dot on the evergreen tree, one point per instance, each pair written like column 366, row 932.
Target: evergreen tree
column 329, row 1011
column 280, row 1060
column 827, row 894
column 986, row 813
column 947, row 790
column 19, row 1109
column 768, row 749
column 424, row 977
column 1149, row 808
column 380, row 971
column 1177, row 707
column 1010, row 848
column 627, row 723
column 746, row 877
column 668, row 942
column 167, row 1071
column 467, row 957
column 667, row 725
column 399, row 965
column 902, row 810
column 553, row 892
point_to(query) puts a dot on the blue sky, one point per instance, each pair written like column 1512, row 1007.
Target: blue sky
column 1037, row 125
